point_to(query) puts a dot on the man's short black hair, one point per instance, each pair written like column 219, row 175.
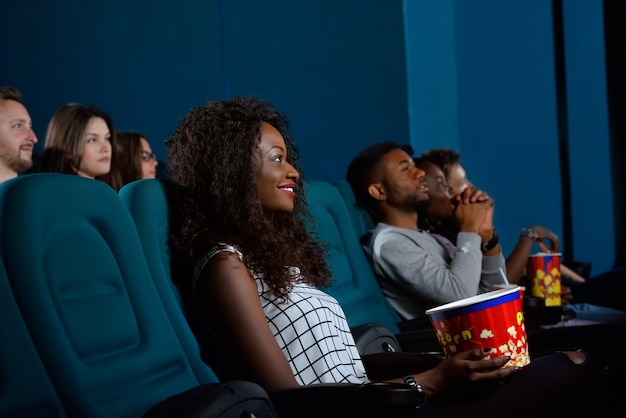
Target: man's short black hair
column 363, row 171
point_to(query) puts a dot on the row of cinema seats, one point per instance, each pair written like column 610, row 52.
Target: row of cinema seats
column 92, row 326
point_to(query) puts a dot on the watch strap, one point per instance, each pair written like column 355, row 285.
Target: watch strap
column 495, row 239
column 410, row 380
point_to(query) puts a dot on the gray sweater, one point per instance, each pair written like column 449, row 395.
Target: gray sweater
column 418, row 270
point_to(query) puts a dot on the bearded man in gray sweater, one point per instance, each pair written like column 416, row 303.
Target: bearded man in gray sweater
column 417, row 270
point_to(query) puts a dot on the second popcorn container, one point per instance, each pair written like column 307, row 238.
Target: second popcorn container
column 544, row 276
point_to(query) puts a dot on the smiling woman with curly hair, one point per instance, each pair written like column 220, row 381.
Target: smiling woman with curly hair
column 211, row 157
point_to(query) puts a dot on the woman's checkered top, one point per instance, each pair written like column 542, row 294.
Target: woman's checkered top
column 311, row 330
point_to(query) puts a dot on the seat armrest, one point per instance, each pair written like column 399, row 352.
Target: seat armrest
column 224, row 399
column 385, row 366
column 346, row 400
column 419, row 340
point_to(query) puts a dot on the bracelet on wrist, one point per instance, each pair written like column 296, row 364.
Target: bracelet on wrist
column 410, row 380
column 530, row 233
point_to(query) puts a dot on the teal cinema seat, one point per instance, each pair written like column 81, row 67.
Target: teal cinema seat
column 25, row 388
column 361, row 220
column 354, row 284
column 79, row 278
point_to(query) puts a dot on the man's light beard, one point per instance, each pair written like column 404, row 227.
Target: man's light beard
column 15, row 163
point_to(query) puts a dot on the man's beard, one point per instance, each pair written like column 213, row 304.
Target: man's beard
column 14, row 162
column 415, row 202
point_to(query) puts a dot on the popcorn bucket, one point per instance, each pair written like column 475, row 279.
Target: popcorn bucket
column 544, row 276
column 490, row 320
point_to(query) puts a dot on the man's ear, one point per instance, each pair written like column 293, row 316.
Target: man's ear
column 377, row 191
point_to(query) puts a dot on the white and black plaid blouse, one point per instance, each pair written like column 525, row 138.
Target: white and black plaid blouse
column 311, row 330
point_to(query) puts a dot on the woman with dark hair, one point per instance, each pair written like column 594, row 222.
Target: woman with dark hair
column 133, row 158
column 78, row 141
column 258, row 273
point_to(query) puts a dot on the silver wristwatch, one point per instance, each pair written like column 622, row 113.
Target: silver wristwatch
column 410, row 380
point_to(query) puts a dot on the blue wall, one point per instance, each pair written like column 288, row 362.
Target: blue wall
column 588, row 127
column 335, row 68
column 477, row 76
column 482, row 80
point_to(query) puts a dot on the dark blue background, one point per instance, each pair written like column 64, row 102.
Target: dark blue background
column 478, row 76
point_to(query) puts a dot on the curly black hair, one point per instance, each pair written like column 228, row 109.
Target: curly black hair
column 444, row 158
column 425, row 221
column 211, row 157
